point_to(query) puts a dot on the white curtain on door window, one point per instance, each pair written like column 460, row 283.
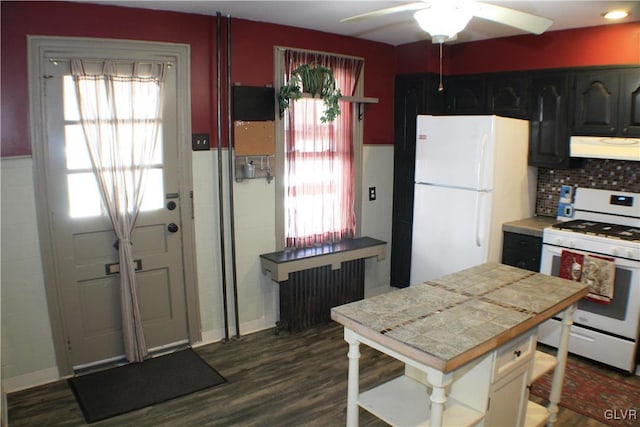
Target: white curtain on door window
column 121, row 114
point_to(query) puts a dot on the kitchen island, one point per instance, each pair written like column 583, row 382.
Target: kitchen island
column 468, row 343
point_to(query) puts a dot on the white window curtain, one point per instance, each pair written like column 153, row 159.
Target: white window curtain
column 120, row 111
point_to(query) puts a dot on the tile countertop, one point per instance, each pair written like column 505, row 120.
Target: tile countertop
column 530, row 226
column 447, row 322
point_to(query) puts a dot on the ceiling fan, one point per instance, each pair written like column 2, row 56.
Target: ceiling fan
column 444, row 19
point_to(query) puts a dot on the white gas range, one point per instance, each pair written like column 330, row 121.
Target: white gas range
column 606, row 229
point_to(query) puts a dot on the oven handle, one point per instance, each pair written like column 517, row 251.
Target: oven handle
column 624, row 263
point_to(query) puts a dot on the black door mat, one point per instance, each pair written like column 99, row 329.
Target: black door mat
column 126, row 388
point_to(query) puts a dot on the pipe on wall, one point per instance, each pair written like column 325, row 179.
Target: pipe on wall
column 231, row 179
column 220, row 184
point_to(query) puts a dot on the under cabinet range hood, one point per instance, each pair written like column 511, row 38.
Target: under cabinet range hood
column 601, row 147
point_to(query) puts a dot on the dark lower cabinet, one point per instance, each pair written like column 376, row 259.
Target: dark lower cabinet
column 521, row 250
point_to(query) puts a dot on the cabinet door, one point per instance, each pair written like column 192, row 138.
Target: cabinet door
column 521, row 251
column 508, row 399
column 596, row 103
column 465, row 95
column 507, row 95
column 410, row 100
column 630, row 103
column 548, row 121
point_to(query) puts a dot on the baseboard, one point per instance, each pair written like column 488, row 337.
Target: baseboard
column 217, row 335
column 32, row 379
column 4, row 418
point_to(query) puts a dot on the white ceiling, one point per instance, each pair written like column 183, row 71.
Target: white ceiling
column 395, row 29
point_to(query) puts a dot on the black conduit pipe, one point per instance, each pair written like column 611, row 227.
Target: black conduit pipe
column 220, row 189
column 230, row 157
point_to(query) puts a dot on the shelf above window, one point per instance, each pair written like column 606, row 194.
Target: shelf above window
column 360, row 100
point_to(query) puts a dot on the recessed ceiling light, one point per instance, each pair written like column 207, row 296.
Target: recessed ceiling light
column 615, row 14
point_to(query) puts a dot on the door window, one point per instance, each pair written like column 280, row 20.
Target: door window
column 83, row 192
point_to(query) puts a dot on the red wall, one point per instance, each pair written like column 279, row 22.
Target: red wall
column 604, row 45
column 252, row 58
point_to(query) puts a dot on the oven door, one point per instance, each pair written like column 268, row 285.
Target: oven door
column 621, row 316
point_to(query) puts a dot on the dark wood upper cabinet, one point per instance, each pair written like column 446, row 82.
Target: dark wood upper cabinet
column 549, row 120
column 465, row 94
column 596, row 103
column 630, row 103
column 607, row 102
column 507, row 95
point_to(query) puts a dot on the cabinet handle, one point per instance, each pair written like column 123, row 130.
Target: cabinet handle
column 518, row 353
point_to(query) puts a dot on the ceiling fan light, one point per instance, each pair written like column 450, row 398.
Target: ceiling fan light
column 443, row 21
column 615, row 14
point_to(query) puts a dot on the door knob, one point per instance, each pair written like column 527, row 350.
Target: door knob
column 171, row 205
column 172, row 228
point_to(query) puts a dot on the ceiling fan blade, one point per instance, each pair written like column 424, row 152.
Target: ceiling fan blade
column 511, row 17
column 387, row 11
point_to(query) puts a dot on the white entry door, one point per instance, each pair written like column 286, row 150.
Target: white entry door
column 85, row 249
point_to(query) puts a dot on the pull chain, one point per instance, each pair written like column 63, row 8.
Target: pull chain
column 440, row 86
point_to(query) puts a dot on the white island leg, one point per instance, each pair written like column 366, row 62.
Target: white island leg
column 558, row 373
column 353, row 387
column 439, row 382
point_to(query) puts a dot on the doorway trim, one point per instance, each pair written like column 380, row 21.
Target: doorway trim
column 40, row 49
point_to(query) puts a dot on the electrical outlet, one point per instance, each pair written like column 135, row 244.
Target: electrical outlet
column 200, row 141
column 372, row 193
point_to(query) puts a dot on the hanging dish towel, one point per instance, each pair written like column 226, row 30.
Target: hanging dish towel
column 571, row 265
column 599, row 274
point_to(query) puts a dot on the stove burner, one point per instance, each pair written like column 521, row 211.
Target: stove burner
column 615, row 231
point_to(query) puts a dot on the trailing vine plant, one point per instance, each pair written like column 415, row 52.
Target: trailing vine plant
column 313, row 79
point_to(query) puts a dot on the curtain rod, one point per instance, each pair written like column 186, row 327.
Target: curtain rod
column 284, row 48
column 121, row 61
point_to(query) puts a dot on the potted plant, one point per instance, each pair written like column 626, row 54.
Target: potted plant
column 313, row 79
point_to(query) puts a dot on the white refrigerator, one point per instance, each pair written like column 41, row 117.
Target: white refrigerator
column 471, row 176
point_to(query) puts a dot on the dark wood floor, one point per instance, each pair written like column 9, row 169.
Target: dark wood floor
column 284, row 380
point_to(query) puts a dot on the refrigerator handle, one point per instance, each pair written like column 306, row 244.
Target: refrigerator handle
column 479, row 186
column 481, row 165
column 478, row 195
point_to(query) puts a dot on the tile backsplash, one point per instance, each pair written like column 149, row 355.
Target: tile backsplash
column 617, row 175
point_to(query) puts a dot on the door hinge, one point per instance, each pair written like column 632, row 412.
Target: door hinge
column 68, row 344
column 44, row 83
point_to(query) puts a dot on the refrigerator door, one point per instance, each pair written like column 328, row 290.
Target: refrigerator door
column 450, row 231
column 455, row 151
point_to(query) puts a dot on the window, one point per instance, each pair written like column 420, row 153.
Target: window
column 84, row 195
column 319, row 194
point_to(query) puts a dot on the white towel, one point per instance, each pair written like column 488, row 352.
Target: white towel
column 599, row 273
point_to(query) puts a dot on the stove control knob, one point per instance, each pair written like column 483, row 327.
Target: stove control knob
column 630, row 254
column 558, row 241
column 572, row 244
column 614, row 252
